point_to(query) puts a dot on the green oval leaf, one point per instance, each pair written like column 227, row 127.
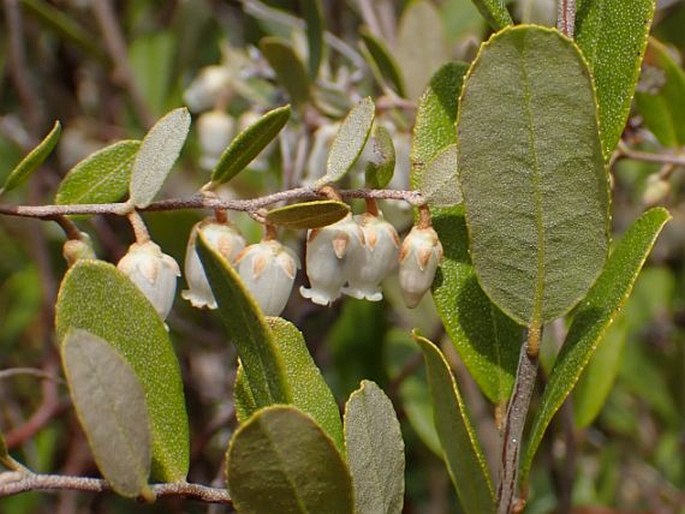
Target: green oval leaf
column 102, row 177
column 349, row 142
column 313, row 16
column 661, row 95
column 612, row 35
column 375, row 451
column 494, row 12
column 247, row 328
column 463, row 454
column 386, row 67
column 532, row 173
column 309, row 214
column 33, row 160
column 439, row 182
column 281, row 461
column 289, row 69
column 592, row 318
column 110, row 403
column 97, row 297
column 158, row 153
column 249, row 143
column 380, row 168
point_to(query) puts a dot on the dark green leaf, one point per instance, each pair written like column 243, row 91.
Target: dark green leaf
column 289, row 69
column 612, row 35
column 33, row 160
column 158, row 153
column 281, row 461
column 532, row 173
column 110, row 403
column 97, row 297
column 463, row 454
column 245, row 404
column 375, row 451
column 494, row 12
column 102, row 177
column 380, row 168
column 249, row 143
column 247, row 328
column 349, row 141
column 592, row 318
column 152, row 56
column 439, row 182
column 314, row 214
column 384, row 62
column 313, row 16
column 661, row 95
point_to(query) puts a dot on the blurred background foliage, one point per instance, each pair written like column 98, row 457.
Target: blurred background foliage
column 108, row 70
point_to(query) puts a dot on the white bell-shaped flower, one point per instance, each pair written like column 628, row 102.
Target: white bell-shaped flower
column 420, row 254
column 225, row 239
column 329, row 250
column 214, row 131
column 268, row 270
column 377, row 259
column 207, row 88
column 154, row 273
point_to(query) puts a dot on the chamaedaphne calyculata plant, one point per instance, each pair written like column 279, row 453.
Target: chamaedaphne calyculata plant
column 343, row 199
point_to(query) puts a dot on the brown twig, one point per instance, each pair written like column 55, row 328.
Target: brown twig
column 659, row 158
column 566, row 17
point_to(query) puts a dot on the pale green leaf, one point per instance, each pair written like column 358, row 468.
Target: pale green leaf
column 152, row 56
column 661, row 95
column 245, row 404
column 532, row 173
column 102, row 177
column 375, row 451
column 349, row 141
column 281, row 461
column 612, row 35
column 380, row 168
column 313, row 17
column 249, row 143
column 247, row 328
column 318, row 213
column 463, row 454
column 110, row 403
column 289, row 69
column 439, row 182
column 593, row 317
column 382, row 60
column 158, row 153
column 97, row 297
column 495, row 13
column 33, row 160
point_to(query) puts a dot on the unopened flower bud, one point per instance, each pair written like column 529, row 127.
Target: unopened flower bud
column 77, row 249
column 657, row 190
column 222, row 237
column 376, row 260
column 420, row 254
column 329, row 249
column 268, row 270
column 153, row 272
column 215, row 130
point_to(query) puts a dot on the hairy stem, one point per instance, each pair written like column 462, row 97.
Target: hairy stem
column 566, row 17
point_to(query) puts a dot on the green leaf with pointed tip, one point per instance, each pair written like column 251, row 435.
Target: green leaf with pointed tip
column 436, row 115
column 96, row 297
column 110, row 403
column 313, row 16
column 158, row 153
column 487, row 340
column 281, row 461
column 612, row 35
column 494, row 12
column 247, row 328
column 380, row 168
column 249, row 143
column 289, row 69
column 661, row 95
column 593, row 317
column 375, row 451
column 463, row 454
column 318, row 213
column 532, row 173
column 33, row 160
column 102, row 177
column 439, row 182
column 310, row 393
column 349, row 141
column 384, row 62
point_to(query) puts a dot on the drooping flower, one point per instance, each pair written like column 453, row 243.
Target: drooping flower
column 155, row 273
column 214, row 131
column 376, row 260
column 225, row 239
column 268, row 270
column 420, row 254
column 329, row 249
